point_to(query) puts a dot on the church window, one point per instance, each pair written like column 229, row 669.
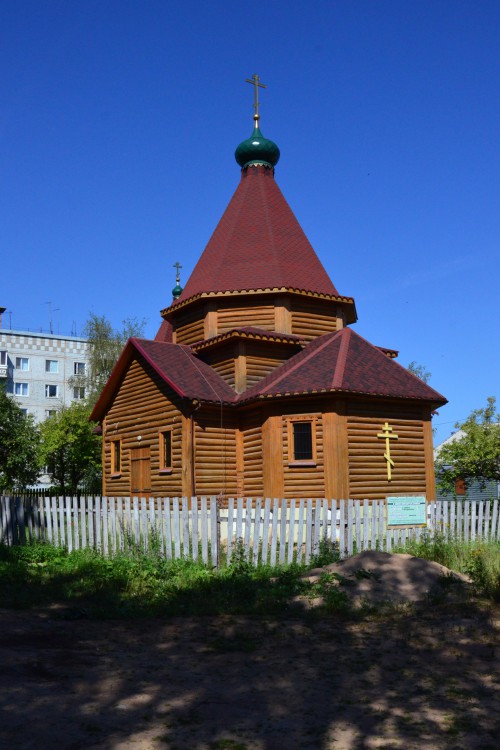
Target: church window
column 116, row 456
column 301, row 440
column 166, row 450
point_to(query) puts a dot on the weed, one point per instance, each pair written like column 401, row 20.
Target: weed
column 142, row 582
column 239, row 564
column 328, row 553
column 479, row 560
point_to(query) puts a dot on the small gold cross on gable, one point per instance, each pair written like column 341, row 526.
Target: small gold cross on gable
column 254, row 80
column 387, row 434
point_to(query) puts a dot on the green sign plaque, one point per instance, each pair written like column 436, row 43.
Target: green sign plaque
column 407, row 510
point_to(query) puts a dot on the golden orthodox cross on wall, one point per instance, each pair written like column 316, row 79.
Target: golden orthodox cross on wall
column 254, row 80
column 387, row 434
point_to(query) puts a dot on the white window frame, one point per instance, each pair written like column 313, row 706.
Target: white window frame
column 23, row 360
column 21, row 388
column 78, row 390
column 47, row 388
column 3, row 358
column 48, row 363
column 79, row 368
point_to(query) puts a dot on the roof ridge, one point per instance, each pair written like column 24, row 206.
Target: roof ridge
column 304, row 356
column 150, row 361
column 338, row 373
column 398, row 364
column 268, row 222
column 258, row 243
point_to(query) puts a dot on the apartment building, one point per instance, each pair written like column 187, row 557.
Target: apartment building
column 38, row 369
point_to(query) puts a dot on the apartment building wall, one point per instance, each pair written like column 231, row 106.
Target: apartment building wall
column 37, row 368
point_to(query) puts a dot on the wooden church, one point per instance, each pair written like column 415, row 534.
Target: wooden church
column 255, row 385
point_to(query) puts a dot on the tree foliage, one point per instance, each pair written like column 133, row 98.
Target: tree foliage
column 70, row 450
column 475, row 455
column 19, row 441
column 105, row 346
column 419, row 371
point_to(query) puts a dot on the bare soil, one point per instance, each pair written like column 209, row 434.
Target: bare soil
column 421, row 674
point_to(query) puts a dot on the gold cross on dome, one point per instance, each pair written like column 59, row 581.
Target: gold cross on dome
column 254, row 80
column 387, row 434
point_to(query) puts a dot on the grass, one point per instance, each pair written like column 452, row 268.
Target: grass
column 145, row 584
column 480, row 560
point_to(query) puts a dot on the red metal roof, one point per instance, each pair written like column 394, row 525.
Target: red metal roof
column 258, row 244
column 343, row 361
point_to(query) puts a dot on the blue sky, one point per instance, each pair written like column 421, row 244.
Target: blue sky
column 118, row 124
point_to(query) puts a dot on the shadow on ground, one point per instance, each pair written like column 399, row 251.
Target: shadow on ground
column 423, row 676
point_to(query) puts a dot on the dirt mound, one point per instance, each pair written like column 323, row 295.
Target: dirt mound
column 379, row 576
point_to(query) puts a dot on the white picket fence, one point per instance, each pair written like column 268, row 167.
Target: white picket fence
column 262, row 530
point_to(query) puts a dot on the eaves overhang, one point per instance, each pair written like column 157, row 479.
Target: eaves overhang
column 167, row 312
column 242, row 401
column 253, row 335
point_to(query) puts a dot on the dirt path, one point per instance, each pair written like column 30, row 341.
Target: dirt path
column 406, row 682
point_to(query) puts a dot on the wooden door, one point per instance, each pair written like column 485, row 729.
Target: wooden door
column 140, row 469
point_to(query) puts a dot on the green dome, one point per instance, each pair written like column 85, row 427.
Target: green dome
column 177, row 291
column 257, row 150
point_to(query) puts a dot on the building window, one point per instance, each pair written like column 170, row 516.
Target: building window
column 302, row 440
column 50, row 413
column 51, row 391
column 51, row 365
column 22, row 363
column 25, row 412
column 21, row 389
column 79, row 393
column 79, row 368
column 3, row 359
column 116, row 456
column 166, row 450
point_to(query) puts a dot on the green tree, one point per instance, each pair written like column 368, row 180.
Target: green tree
column 419, row 371
column 70, row 449
column 475, row 455
column 19, row 441
column 105, row 346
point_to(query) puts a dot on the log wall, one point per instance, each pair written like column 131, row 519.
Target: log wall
column 261, row 360
column 367, row 464
column 215, row 452
column 303, row 481
column 189, row 327
column 259, row 316
column 159, row 409
column 251, row 431
column 310, row 319
column 223, row 363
